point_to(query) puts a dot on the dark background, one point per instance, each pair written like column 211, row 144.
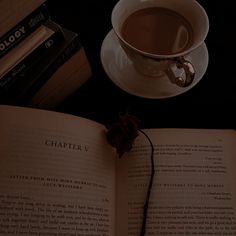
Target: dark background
column 209, row 104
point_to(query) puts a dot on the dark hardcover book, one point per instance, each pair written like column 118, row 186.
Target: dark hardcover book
column 23, row 29
column 32, row 59
column 24, row 88
column 65, row 81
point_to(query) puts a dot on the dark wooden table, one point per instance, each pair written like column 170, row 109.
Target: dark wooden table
column 209, row 104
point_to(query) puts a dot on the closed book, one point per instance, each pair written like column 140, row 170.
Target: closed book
column 15, row 64
column 64, row 82
column 24, row 88
column 23, row 28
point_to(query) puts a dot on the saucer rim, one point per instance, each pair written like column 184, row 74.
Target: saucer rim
column 116, row 82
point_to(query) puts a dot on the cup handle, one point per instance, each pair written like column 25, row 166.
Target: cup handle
column 189, row 71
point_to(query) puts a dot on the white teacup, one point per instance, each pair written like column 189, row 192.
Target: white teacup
column 171, row 56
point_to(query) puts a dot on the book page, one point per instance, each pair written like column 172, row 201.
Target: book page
column 194, row 191
column 57, row 175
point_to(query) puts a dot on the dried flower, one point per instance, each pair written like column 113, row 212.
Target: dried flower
column 121, row 135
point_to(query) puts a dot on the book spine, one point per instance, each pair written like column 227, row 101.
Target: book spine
column 23, row 29
column 23, row 66
column 41, row 77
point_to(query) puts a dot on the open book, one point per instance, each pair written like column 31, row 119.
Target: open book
column 59, row 176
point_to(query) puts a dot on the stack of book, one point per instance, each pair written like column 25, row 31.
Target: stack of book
column 41, row 62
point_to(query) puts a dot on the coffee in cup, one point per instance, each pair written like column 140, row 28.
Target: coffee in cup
column 157, row 30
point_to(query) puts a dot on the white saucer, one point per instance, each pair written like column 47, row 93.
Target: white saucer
column 120, row 70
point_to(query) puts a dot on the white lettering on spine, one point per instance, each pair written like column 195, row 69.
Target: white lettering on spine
column 12, row 38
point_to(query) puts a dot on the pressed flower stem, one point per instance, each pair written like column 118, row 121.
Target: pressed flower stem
column 145, row 208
